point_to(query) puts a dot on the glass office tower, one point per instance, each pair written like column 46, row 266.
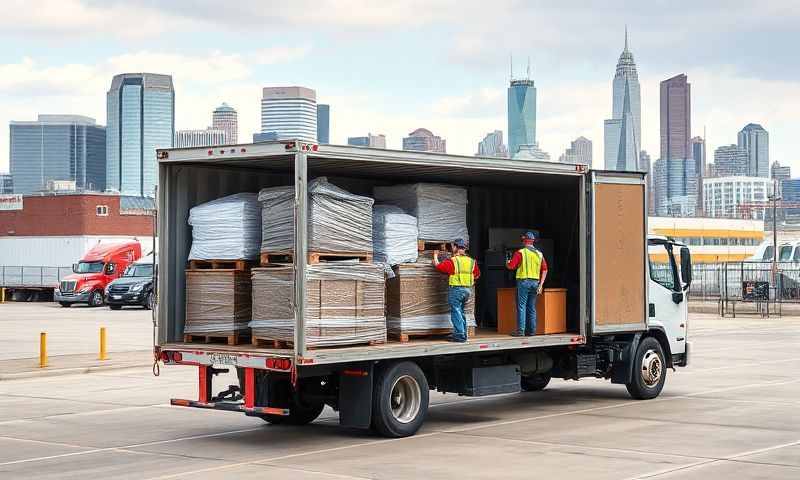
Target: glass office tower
column 521, row 114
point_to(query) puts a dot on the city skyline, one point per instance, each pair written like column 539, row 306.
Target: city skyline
column 460, row 102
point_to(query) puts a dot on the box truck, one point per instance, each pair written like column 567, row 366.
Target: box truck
column 626, row 320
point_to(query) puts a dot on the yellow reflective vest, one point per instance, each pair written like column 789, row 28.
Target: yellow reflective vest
column 531, row 265
column 462, row 277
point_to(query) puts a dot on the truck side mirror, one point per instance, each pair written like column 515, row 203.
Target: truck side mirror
column 686, row 267
column 110, row 268
column 74, row 268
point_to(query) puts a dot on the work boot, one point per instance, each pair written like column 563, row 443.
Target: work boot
column 517, row 334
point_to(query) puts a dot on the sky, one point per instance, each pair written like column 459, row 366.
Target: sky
column 392, row 67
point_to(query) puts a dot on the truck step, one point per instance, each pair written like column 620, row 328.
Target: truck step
column 440, row 245
column 220, row 264
column 263, row 342
column 235, row 338
column 407, row 335
column 314, row 257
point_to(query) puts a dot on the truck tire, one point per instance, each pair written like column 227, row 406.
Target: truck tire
column 649, row 370
column 95, row 299
column 534, row 383
column 65, row 304
column 399, row 400
column 115, row 307
column 148, row 301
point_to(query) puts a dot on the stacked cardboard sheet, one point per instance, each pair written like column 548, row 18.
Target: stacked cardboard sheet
column 217, row 302
column 394, row 235
column 228, row 228
column 344, row 304
column 338, row 221
column 441, row 210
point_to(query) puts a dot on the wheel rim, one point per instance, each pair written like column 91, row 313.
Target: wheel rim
column 95, row 299
column 652, row 368
column 405, row 399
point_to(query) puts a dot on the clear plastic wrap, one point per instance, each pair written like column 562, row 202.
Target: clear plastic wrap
column 338, row 221
column 417, row 301
column 228, row 228
column 441, row 210
column 217, row 301
column 394, row 235
column 344, row 304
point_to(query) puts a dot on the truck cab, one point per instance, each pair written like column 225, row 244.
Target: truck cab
column 99, row 266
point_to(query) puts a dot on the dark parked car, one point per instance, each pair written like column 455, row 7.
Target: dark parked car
column 134, row 287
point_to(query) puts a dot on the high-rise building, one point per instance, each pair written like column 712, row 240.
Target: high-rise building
column 323, row 123
column 646, row 166
column 781, row 172
column 424, row 140
column 755, row 140
column 6, row 183
column 725, row 196
column 226, row 119
column 580, row 151
column 676, row 113
column 265, row 137
column 521, row 113
column 675, row 187
column 790, row 190
column 730, row 161
column 290, row 112
column 531, row 152
column 374, row 141
column 674, row 174
column 141, row 118
column 698, row 147
column 492, row 145
column 58, row 147
column 201, row 138
column 623, row 131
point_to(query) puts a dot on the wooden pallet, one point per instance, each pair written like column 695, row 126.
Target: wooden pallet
column 314, row 257
column 236, row 338
column 284, row 345
column 423, row 245
column 220, row 264
column 438, row 332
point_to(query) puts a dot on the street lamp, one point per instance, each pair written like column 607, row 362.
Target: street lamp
column 774, row 197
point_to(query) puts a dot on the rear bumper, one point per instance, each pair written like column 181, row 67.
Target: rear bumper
column 60, row 297
column 230, row 407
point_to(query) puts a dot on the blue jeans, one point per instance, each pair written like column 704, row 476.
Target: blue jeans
column 527, row 291
column 457, row 298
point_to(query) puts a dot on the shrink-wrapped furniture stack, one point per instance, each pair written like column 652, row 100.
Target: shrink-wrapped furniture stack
column 394, row 235
column 441, row 210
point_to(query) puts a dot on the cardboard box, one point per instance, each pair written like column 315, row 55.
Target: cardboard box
column 551, row 311
column 218, row 302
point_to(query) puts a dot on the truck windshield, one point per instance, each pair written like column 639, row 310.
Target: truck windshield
column 89, row 267
column 139, row 271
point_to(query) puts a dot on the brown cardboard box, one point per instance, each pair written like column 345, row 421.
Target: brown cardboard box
column 217, row 302
column 551, row 311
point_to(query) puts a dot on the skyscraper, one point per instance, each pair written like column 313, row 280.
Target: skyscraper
column 730, row 161
column 323, row 123
column 781, row 172
column 290, row 112
column 580, row 151
column 674, row 174
column 521, row 113
column 58, row 147
column 141, row 118
column 699, row 156
column 755, row 140
column 646, row 166
column 622, row 132
column 226, row 119
column 6, row 183
column 201, row 138
column 492, row 145
column 531, row 151
column 424, row 140
column 676, row 114
column 374, row 141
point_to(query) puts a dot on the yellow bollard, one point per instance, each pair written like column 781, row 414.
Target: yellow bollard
column 103, row 355
column 42, row 349
column 3, row 295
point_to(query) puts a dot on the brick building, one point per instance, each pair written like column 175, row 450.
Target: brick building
column 70, row 214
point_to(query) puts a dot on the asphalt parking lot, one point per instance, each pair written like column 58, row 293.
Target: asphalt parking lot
column 731, row 415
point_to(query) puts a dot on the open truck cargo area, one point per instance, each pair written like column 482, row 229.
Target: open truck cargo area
column 593, row 230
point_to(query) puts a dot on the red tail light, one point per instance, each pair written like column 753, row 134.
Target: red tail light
column 177, row 357
column 270, row 363
column 164, row 357
column 279, row 364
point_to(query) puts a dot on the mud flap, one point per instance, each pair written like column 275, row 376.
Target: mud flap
column 355, row 396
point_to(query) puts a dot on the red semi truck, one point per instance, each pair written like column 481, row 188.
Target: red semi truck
column 99, row 266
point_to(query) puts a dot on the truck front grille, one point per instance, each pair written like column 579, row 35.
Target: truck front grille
column 68, row 286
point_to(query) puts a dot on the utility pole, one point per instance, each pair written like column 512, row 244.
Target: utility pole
column 774, row 197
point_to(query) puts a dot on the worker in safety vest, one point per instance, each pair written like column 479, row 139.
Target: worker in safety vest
column 531, row 270
column 463, row 271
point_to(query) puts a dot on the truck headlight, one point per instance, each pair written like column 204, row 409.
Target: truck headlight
column 137, row 287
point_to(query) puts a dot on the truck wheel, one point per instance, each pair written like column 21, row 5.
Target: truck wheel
column 649, row 370
column 115, row 307
column 65, row 304
column 95, row 299
column 535, row 383
column 400, row 400
column 148, row 301
column 298, row 415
